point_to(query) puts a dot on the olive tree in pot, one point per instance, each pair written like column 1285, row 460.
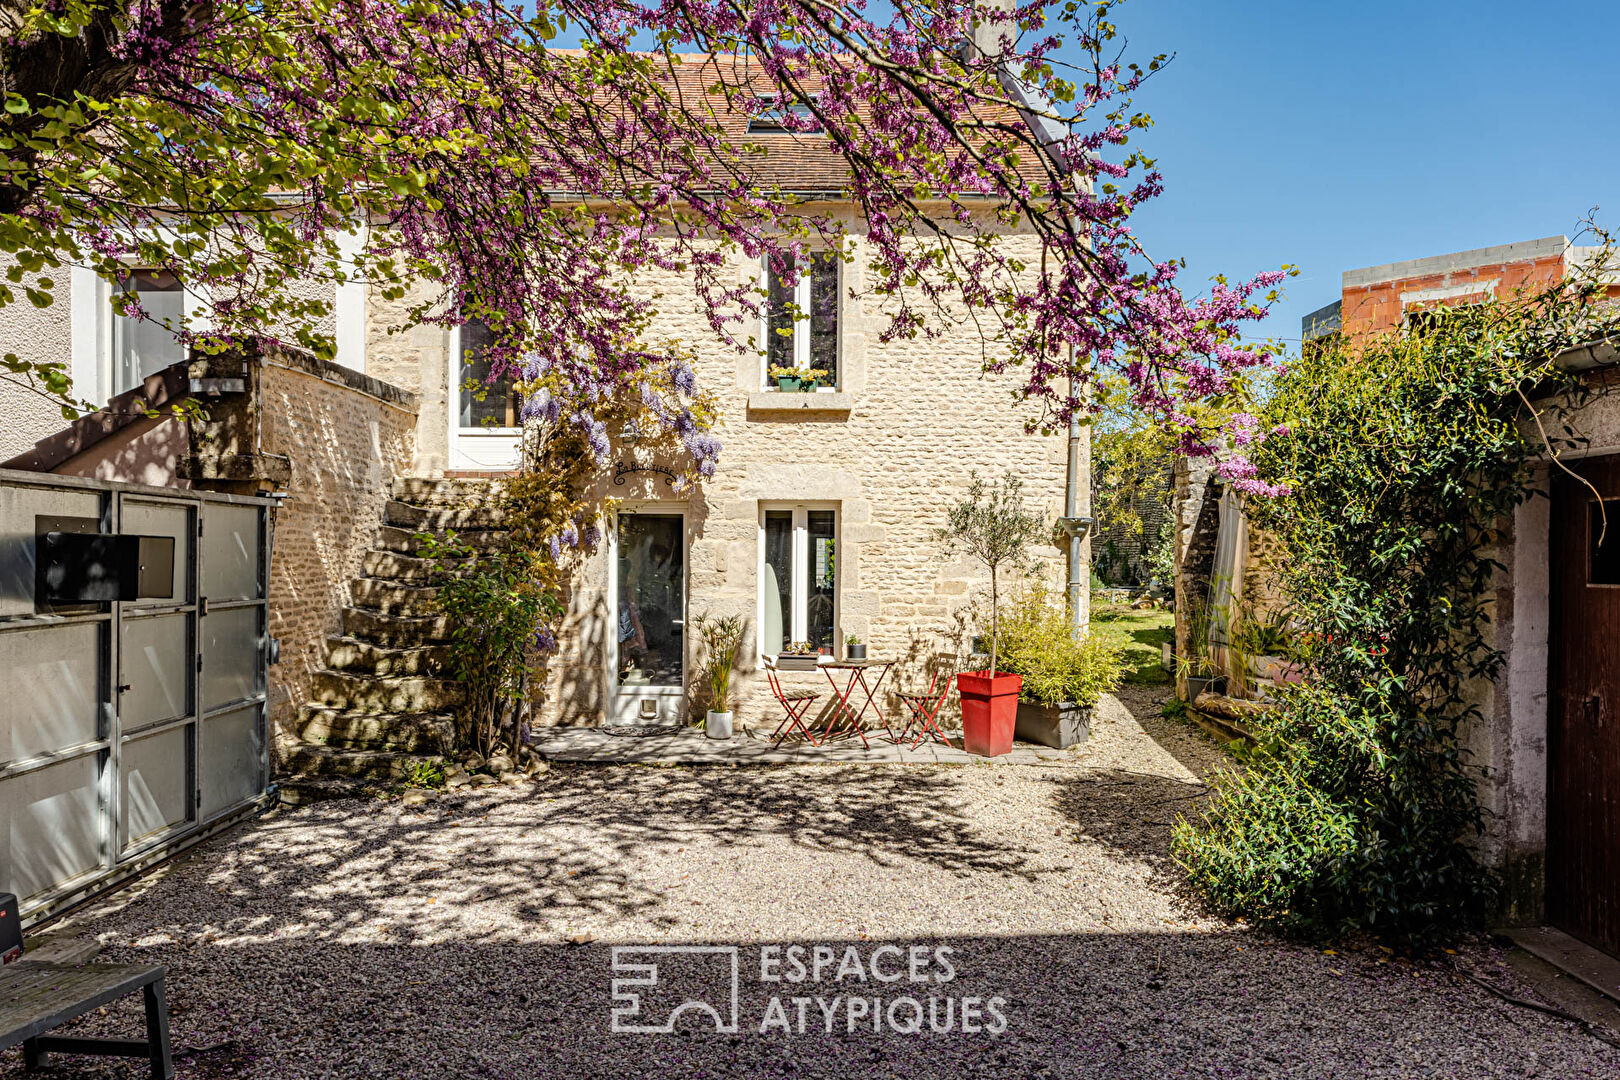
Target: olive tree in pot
column 992, row 525
column 1064, row 676
column 720, row 638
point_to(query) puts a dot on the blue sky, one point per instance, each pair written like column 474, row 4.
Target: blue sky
column 1335, row 135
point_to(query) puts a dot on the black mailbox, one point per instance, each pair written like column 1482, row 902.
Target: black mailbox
column 91, row 568
column 11, row 942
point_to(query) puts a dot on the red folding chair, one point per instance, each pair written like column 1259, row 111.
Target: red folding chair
column 925, row 707
column 795, row 702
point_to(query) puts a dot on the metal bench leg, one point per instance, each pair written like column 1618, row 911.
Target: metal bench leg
column 33, row 1057
column 157, row 1031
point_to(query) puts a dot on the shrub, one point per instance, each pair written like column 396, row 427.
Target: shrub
column 1036, row 642
column 504, row 603
column 1403, row 455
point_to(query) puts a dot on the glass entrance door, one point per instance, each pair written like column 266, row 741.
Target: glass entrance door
column 649, row 626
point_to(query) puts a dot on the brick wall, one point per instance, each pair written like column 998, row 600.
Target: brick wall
column 1378, row 298
column 348, row 436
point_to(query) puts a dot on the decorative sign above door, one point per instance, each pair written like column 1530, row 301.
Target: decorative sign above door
column 621, row 470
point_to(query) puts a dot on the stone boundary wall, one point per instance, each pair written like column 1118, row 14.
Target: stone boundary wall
column 1118, row 551
column 347, row 435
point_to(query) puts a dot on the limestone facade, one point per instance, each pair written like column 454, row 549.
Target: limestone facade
column 885, row 450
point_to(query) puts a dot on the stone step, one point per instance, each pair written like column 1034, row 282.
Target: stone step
column 410, row 733
column 408, row 541
column 455, row 491
column 303, row 790
column 393, row 566
column 395, row 630
column 383, row 694
column 393, row 597
column 353, row 654
column 440, row 518
column 304, row 760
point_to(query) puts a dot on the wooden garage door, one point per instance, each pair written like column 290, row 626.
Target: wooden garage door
column 1583, row 810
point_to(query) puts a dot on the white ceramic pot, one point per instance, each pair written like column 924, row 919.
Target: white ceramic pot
column 717, row 725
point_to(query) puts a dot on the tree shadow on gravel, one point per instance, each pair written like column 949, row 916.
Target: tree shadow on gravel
column 1135, row 1005
column 1131, row 814
column 512, row 863
column 1192, row 747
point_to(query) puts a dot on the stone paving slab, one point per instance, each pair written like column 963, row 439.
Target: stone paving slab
column 691, row 747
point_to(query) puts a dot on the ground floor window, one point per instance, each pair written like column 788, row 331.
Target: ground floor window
column 798, row 578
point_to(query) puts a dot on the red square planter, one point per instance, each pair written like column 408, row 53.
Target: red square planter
column 989, row 711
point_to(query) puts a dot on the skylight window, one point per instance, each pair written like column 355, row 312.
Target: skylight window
column 772, row 115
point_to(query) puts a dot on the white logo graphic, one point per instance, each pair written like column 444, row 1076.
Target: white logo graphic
column 627, row 1015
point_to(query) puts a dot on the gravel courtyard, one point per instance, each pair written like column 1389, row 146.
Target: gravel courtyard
column 472, row 937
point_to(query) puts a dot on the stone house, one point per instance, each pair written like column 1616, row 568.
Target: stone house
column 1549, row 743
column 816, row 526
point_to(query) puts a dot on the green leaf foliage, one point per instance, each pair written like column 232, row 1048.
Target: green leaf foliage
column 1406, row 456
column 1035, row 641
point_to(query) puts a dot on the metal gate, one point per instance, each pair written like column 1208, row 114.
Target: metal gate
column 129, row 727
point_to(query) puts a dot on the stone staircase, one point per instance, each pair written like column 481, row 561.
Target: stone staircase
column 381, row 704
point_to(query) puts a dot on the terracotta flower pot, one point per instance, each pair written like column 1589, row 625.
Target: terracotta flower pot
column 989, row 711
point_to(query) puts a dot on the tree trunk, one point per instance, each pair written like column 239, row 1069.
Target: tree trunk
column 995, row 622
column 47, row 67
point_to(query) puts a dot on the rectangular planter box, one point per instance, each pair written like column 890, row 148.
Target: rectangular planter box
column 1058, row 726
column 796, row 662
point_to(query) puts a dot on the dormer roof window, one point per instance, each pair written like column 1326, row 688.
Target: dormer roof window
column 773, row 116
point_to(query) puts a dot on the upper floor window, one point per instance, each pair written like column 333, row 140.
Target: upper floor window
column 802, row 318
column 484, row 403
column 142, row 347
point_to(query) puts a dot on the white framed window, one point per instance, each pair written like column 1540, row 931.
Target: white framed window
column 802, row 320
column 486, row 404
column 486, row 424
column 798, row 577
column 141, row 348
column 113, row 353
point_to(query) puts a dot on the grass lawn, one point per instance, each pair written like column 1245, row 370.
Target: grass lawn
column 1141, row 633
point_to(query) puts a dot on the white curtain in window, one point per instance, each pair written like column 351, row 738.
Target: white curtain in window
column 143, row 347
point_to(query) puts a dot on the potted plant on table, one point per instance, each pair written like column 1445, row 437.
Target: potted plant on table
column 799, row 656
column 720, row 638
column 992, row 525
column 787, row 378
column 1064, row 676
column 854, row 648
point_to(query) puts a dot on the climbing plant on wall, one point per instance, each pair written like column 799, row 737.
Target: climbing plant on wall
column 1403, row 458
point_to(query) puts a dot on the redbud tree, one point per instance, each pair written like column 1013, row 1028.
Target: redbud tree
column 529, row 159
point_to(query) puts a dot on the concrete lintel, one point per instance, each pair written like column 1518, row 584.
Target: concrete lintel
column 1461, row 260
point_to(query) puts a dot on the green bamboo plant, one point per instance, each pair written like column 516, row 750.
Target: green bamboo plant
column 721, row 638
